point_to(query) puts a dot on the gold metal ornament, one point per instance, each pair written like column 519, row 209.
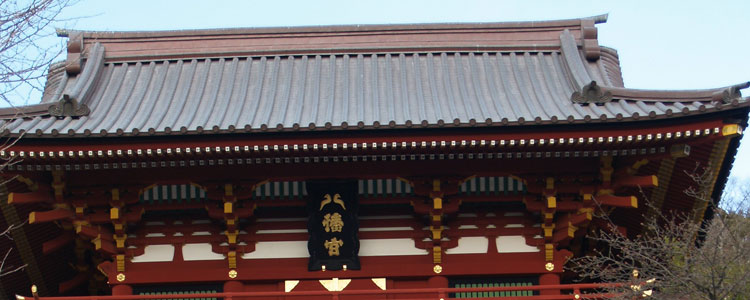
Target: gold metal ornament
column 437, row 269
column 232, row 273
column 120, row 277
column 549, row 266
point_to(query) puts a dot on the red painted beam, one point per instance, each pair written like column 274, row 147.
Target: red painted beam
column 636, row 181
column 618, row 201
column 397, row 293
column 105, row 246
column 563, row 234
column 94, row 232
column 533, row 205
column 49, row 216
column 38, row 196
column 575, row 219
column 491, row 264
column 58, row 242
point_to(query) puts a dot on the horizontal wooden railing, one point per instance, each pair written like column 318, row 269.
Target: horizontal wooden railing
column 568, row 292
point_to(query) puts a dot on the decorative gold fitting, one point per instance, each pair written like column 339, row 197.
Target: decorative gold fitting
column 232, row 236
column 323, row 268
column 114, row 213
column 120, row 240
column 437, row 255
column 228, row 190
column 551, row 202
column 436, row 232
column 437, row 203
column 548, row 229
column 232, row 259
column 120, row 261
column 731, row 130
column 577, row 296
column 549, row 252
column 232, row 274
column 344, row 267
column 549, row 266
column 34, row 292
column 632, row 170
column 587, row 197
column 120, row 277
column 437, row 269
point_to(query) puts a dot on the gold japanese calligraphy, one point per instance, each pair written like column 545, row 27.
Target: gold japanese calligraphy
column 333, row 246
column 333, row 222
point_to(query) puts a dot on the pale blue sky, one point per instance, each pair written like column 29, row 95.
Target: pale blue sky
column 662, row 44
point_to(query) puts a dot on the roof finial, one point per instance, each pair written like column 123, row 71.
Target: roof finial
column 68, row 107
column 591, row 93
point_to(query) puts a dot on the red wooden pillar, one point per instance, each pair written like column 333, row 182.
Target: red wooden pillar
column 438, row 282
column 233, row 287
column 122, row 289
column 549, row 279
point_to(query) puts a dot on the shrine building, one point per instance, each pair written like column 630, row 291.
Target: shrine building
column 353, row 162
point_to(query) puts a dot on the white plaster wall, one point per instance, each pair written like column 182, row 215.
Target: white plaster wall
column 470, row 245
column 285, row 249
column 389, row 247
column 200, row 251
column 155, row 253
column 513, row 244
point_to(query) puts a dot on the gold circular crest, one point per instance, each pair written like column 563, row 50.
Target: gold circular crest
column 577, row 296
column 232, row 273
column 120, row 277
column 437, row 269
column 549, row 266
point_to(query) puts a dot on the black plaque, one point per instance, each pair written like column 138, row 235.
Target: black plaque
column 333, row 226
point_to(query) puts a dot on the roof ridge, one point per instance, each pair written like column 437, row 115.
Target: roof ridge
column 598, row 19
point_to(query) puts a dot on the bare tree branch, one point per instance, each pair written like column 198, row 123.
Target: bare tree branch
column 5, row 270
column 24, row 60
column 675, row 256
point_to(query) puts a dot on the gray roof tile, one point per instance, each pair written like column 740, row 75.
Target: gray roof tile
column 347, row 91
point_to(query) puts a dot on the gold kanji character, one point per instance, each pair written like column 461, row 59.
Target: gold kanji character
column 333, row 222
column 333, row 246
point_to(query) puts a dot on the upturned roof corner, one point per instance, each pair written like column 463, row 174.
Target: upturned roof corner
column 730, row 94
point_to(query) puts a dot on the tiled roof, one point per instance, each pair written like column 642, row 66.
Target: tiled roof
column 343, row 91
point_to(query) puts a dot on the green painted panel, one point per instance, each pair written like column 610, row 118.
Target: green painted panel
column 483, row 283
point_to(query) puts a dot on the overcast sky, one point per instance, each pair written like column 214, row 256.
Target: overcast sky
column 662, row 44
